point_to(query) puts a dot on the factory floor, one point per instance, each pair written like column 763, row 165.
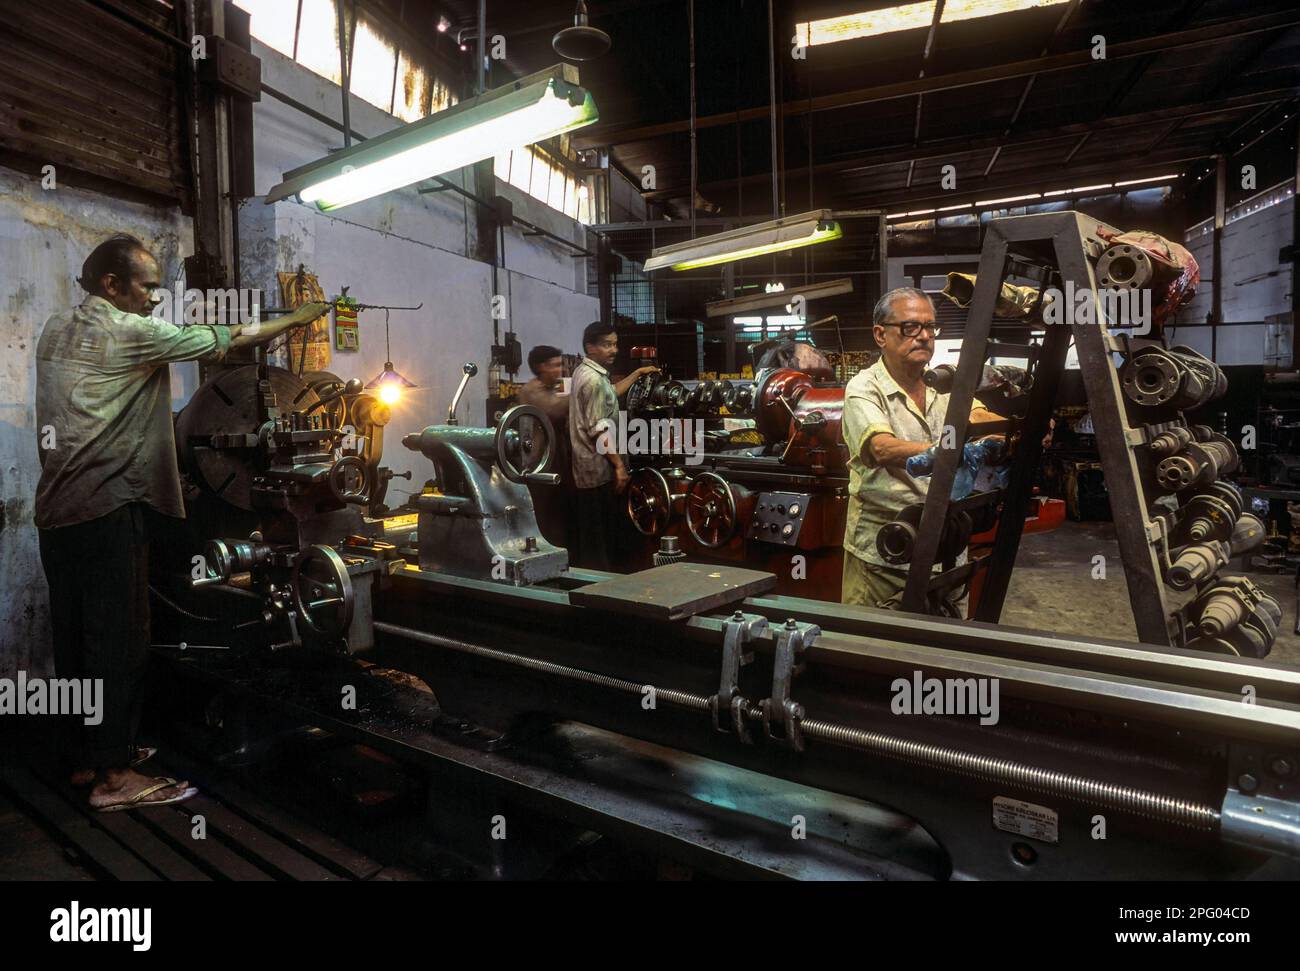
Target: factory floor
column 1052, row 589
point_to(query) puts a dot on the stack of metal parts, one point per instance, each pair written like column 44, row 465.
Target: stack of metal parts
column 1179, row 519
column 1208, row 525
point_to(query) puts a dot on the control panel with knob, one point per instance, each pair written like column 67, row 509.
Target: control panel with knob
column 778, row 517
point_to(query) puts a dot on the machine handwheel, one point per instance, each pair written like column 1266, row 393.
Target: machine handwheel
column 515, row 437
column 649, row 501
column 349, row 480
column 711, row 510
column 322, row 591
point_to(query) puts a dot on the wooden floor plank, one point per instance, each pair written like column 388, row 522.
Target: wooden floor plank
column 95, row 845
column 250, row 841
column 312, row 843
column 176, row 827
column 131, row 833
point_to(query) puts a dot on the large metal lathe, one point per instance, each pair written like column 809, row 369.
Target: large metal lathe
column 1076, row 758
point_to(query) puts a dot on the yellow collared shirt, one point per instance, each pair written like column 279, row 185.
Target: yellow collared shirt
column 874, row 403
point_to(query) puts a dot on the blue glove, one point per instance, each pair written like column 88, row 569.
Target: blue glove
column 974, row 456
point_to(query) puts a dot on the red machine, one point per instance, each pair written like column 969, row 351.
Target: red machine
column 772, row 494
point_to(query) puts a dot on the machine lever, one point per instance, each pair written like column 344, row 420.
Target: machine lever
column 469, row 370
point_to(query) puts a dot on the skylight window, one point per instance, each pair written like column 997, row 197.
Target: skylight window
column 374, row 60
column 274, row 24
column 907, row 16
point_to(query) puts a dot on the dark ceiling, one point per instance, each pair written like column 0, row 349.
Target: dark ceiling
column 869, row 122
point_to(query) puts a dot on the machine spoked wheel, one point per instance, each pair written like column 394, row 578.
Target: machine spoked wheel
column 711, row 514
column 322, row 591
column 649, row 501
column 349, row 480
column 517, row 439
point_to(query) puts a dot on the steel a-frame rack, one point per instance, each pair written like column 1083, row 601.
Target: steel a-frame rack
column 1055, row 249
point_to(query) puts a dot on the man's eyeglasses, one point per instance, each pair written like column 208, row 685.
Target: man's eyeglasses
column 911, row 328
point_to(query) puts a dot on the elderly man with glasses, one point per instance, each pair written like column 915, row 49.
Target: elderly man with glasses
column 889, row 416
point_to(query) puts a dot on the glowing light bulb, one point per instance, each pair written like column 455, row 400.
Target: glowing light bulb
column 390, row 394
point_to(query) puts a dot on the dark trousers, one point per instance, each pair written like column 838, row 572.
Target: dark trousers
column 98, row 574
column 553, row 505
column 596, row 518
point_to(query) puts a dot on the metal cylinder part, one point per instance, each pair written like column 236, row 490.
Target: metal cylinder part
column 1197, row 563
column 226, row 557
column 1125, row 266
column 896, row 541
column 1201, row 463
column 1176, row 377
column 1247, row 534
column 670, row 551
column 1236, row 617
column 941, row 378
column 1221, row 614
column 1213, row 514
column 1171, row 440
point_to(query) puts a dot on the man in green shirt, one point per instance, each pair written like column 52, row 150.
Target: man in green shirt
column 108, row 464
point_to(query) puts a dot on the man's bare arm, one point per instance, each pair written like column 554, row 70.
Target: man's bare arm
column 885, row 449
column 250, row 335
column 620, row 387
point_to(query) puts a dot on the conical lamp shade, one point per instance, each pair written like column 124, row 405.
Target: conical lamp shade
column 581, row 42
column 390, row 384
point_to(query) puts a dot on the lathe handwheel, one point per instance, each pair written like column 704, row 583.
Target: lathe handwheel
column 649, row 501
column 520, row 441
column 711, row 510
column 322, row 591
column 349, row 480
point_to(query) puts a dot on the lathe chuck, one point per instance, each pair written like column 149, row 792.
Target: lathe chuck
column 216, row 432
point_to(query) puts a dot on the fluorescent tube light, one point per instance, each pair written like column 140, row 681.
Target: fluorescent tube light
column 526, row 111
column 998, row 202
column 778, row 298
column 1079, row 188
column 1154, row 178
column 789, row 233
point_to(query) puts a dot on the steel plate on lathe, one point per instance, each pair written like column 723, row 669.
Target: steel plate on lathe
column 674, row 591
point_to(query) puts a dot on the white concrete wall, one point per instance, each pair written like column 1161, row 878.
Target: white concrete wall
column 403, row 248
column 45, row 236
column 1255, row 284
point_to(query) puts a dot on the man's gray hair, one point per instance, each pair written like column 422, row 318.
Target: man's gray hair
column 886, row 302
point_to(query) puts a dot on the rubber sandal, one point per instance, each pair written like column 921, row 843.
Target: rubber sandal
column 143, row 754
column 141, row 799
